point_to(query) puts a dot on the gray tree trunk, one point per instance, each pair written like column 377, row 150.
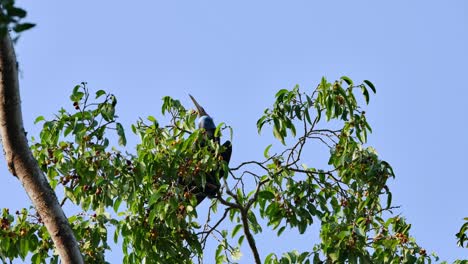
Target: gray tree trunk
column 21, row 162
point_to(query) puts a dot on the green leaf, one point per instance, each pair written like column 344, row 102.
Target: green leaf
column 219, row 257
column 365, row 93
column 76, row 94
column 260, row 123
column 281, row 230
column 117, row 203
column 323, row 83
column 345, row 97
column 151, row 118
column 266, row 194
column 297, row 111
column 113, row 100
column 240, row 195
column 15, row 11
column 270, row 258
column 279, row 95
column 371, row 85
column 99, row 93
column 265, row 152
column 108, row 112
column 39, row 119
column 68, row 130
column 329, row 105
column 347, row 80
column 23, row 27
column 278, row 135
column 307, row 115
column 291, row 127
column 241, row 239
column 218, row 129
column 236, row 229
column 155, row 196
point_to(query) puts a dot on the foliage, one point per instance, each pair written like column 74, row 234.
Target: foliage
column 462, row 235
column 146, row 197
column 11, row 18
column 346, row 198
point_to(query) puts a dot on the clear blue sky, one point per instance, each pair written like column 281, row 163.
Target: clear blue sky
column 234, row 55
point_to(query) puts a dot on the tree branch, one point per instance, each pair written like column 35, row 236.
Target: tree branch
column 206, row 233
column 249, row 236
column 21, row 162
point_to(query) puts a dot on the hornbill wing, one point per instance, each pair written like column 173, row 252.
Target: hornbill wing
column 200, row 197
column 227, row 152
column 212, row 181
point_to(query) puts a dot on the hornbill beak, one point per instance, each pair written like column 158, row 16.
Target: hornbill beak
column 200, row 110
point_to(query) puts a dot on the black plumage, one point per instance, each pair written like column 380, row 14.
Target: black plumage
column 212, row 185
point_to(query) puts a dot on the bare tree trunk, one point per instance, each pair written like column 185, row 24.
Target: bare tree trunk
column 21, row 162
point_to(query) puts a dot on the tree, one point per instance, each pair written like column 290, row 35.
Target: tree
column 20, row 160
column 155, row 216
column 138, row 192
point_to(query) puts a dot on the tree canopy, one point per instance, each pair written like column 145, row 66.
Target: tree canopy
column 145, row 195
column 138, row 194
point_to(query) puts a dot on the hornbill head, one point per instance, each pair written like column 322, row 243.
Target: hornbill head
column 205, row 121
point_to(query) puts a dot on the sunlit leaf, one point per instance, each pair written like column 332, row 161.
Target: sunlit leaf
column 371, row 85
column 121, row 133
column 347, row 80
column 266, row 151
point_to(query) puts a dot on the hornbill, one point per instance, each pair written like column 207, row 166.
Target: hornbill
column 212, row 179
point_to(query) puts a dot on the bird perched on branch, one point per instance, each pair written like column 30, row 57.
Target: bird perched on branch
column 212, row 179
